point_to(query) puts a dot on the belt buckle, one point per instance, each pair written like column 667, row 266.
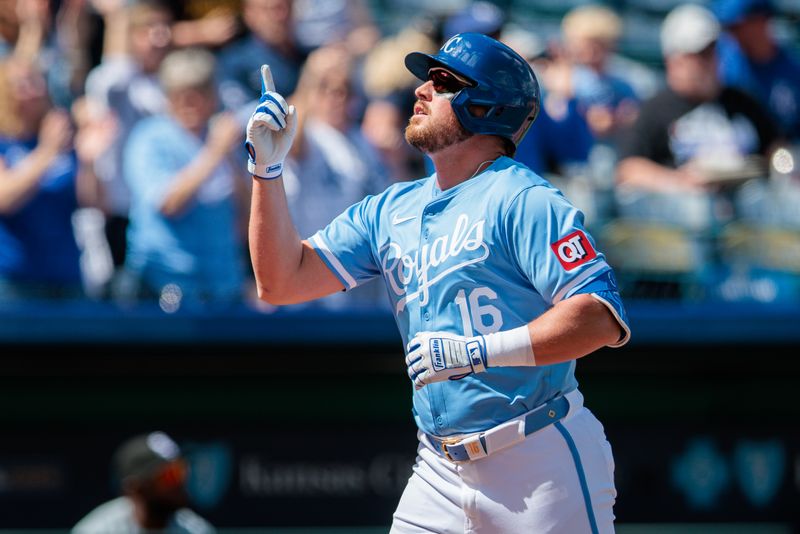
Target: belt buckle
column 443, row 445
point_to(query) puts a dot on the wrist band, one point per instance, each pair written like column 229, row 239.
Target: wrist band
column 265, row 172
column 511, row 348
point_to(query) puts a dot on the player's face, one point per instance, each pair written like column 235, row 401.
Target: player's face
column 434, row 126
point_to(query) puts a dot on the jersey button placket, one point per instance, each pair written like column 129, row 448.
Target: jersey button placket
column 426, row 316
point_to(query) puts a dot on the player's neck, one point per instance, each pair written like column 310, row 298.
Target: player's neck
column 458, row 163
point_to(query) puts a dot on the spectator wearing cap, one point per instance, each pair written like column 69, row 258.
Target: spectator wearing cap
column 152, row 475
column 477, row 17
column 694, row 127
column 751, row 59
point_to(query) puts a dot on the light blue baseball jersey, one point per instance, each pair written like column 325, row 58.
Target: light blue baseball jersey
column 490, row 254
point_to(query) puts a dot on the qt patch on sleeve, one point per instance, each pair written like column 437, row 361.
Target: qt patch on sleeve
column 573, row 250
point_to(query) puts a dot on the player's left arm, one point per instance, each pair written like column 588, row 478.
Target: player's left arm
column 573, row 328
column 586, row 314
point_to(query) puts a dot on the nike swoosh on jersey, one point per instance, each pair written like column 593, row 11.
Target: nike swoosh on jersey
column 401, row 220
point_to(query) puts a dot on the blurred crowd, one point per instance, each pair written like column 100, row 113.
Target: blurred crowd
column 123, row 177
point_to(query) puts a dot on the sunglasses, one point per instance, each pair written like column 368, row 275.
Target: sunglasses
column 445, row 83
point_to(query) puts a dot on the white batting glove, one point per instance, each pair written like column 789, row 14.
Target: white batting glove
column 439, row 356
column 270, row 131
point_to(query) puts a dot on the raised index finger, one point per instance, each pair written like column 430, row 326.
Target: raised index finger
column 267, row 84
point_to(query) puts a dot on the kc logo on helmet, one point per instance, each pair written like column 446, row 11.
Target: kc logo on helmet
column 573, row 250
column 452, row 46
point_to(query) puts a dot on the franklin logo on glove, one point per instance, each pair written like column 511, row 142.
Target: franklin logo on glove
column 437, row 354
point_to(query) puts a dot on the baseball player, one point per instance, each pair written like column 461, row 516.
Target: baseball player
column 152, row 475
column 496, row 288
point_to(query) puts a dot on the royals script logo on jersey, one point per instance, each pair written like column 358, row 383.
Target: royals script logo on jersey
column 430, row 263
column 573, row 250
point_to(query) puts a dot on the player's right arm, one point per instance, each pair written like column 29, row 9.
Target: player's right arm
column 287, row 269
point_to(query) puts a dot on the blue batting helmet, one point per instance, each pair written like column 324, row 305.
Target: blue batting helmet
column 502, row 83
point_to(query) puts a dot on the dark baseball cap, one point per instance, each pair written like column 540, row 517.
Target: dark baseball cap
column 730, row 12
column 142, row 456
column 478, row 17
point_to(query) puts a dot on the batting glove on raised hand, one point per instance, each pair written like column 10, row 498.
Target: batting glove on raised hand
column 438, row 356
column 270, row 131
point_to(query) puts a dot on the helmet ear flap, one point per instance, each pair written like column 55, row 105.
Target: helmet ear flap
column 484, row 111
column 479, row 111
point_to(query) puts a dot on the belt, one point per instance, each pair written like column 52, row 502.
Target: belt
column 504, row 435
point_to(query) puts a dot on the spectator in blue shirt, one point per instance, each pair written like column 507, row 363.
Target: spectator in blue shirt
column 39, row 257
column 182, row 240
column 560, row 138
column 752, row 60
column 553, row 145
column 604, row 98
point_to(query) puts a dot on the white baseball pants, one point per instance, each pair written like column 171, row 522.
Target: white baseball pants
column 560, row 479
